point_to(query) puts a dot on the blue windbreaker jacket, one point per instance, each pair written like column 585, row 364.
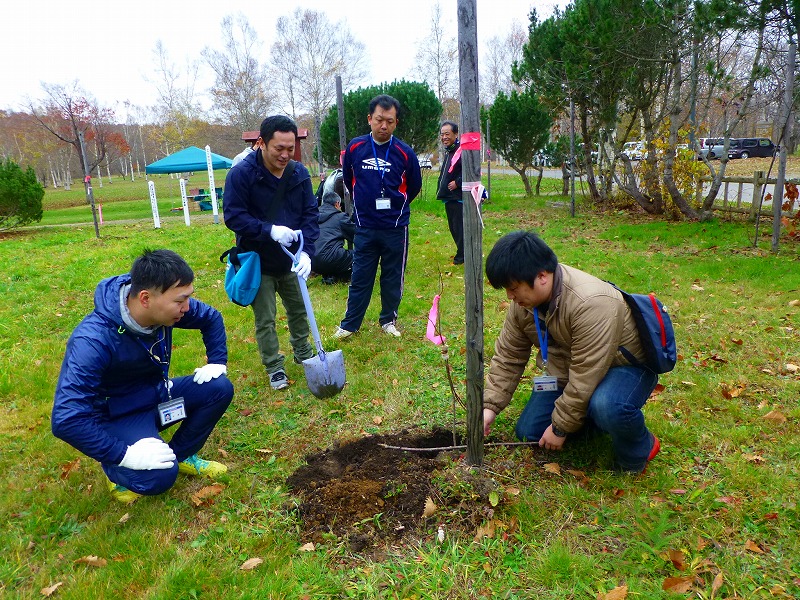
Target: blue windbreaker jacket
column 107, row 371
column 402, row 181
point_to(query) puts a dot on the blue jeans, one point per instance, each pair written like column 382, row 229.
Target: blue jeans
column 371, row 247
column 615, row 408
column 205, row 404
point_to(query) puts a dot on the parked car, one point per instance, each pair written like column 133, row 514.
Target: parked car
column 710, row 147
column 633, row 150
column 425, row 163
column 747, row 147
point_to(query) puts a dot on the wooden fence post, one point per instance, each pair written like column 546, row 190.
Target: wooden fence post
column 755, row 205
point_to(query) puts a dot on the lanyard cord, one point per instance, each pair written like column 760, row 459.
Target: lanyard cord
column 385, row 160
column 163, row 360
column 542, row 338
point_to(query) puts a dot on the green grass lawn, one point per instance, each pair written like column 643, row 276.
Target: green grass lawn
column 717, row 509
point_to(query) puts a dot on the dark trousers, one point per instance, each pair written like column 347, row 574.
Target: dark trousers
column 455, row 219
column 372, row 247
column 205, row 404
column 337, row 263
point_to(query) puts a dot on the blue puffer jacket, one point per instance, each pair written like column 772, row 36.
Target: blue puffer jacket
column 249, row 192
column 107, row 371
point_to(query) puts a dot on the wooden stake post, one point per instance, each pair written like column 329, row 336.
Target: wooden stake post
column 473, row 238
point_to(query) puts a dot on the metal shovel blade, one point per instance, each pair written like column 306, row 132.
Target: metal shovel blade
column 325, row 373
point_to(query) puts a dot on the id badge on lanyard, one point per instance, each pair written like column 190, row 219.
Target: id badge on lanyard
column 174, row 409
column 543, row 383
column 382, row 202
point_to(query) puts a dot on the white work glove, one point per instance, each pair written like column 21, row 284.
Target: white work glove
column 303, row 266
column 209, row 372
column 147, row 454
column 283, row 235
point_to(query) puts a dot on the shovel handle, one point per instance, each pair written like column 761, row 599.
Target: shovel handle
column 306, row 299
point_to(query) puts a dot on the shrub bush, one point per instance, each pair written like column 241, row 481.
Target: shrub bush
column 20, row 196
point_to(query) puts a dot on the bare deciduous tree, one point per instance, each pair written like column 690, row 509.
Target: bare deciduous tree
column 242, row 96
column 176, row 106
column 501, row 54
column 309, row 53
column 437, row 58
column 69, row 112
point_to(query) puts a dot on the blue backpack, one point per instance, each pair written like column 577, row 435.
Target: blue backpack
column 655, row 332
column 242, row 275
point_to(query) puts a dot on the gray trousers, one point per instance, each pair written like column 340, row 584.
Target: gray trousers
column 265, row 309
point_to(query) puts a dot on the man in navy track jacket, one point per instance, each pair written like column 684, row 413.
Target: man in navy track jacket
column 383, row 176
column 114, row 394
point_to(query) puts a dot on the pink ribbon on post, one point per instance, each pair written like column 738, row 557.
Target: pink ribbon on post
column 471, row 140
column 433, row 319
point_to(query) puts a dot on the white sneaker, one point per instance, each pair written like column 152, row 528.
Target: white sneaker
column 390, row 329
column 340, row 333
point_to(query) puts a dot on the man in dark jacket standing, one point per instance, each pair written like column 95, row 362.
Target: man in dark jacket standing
column 383, row 176
column 449, row 187
column 263, row 222
column 332, row 260
column 114, row 394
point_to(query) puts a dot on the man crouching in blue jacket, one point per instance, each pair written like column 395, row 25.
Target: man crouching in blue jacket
column 114, row 393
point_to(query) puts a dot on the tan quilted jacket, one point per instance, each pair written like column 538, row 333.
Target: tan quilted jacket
column 587, row 321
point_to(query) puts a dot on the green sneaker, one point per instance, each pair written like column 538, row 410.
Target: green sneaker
column 194, row 465
column 121, row 493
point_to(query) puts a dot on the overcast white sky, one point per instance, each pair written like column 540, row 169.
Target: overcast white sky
column 108, row 46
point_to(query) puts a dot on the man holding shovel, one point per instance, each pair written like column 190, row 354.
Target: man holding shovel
column 268, row 198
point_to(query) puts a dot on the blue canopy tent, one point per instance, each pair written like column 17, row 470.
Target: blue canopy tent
column 188, row 159
column 184, row 161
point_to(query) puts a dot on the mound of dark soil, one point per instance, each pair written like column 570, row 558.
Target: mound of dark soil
column 365, row 493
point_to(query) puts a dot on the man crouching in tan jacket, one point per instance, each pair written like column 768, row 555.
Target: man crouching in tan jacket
column 578, row 324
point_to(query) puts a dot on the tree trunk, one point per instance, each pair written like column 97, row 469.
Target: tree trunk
column 525, row 181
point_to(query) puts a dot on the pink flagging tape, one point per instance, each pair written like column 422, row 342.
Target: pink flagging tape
column 471, row 140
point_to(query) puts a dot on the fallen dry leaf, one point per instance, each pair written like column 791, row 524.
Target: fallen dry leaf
column 124, row 518
column 618, row 593
column 553, row 468
column 677, row 559
column 775, row 416
column 49, row 591
column 697, row 288
column 377, row 420
column 512, row 491
column 657, row 390
column 430, row 508
column 792, row 368
column 309, row 547
column 737, row 341
column 92, row 561
column 251, row 563
column 677, row 585
column 203, row 494
column 69, row 467
column 717, row 583
column 794, row 303
column 264, row 450
column 753, row 547
column 488, row 529
column 754, row 458
column 688, row 383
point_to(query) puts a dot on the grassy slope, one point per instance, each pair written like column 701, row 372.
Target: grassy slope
column 726, row 475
